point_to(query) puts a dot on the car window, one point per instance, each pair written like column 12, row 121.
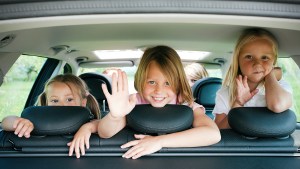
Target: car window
column 18, row 83
column 130, row 71
column 291, row 74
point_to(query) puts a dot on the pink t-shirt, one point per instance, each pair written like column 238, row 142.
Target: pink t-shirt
column 143, row 101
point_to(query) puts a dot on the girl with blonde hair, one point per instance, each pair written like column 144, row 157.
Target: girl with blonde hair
column 61, row 90
column 160, row 79
column 252, row 79
column 194, row 72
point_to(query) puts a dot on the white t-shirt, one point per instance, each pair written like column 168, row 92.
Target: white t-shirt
column 258, row 100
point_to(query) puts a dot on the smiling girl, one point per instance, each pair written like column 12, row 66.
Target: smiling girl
column 160, row 80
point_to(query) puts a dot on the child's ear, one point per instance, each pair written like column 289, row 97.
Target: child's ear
column 83, row 102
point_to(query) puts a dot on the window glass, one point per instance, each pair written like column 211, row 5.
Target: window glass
column 130, row 71
column 18, row 83
column 291, row 74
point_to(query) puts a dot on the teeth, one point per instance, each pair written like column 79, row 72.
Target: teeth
column 158, row 98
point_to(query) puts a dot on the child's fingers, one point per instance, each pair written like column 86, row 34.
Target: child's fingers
column 82, row 148
column 77, row 150
column 71, row 149
column 19, row 128
column 105, row 90
column 139, row 136
column 245, row 83
column 131, row 143
column 133, row 152
column 125, row 82
column 22, row 131
column 254, row 92
column 28, row 131
column 114, row 83
column 87, row 142
column 120, row 81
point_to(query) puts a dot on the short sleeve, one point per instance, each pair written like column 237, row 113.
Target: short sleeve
column 196, row 105
column 285, row 85
column 221, row 102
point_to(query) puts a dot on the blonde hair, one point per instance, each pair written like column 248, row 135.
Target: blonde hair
column 170, row 65
column 247, row 36
column 196, row 71
column 76, row 85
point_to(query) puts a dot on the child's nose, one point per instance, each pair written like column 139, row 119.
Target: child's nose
column 158, row 88
column 257, row 62
column 61, row 104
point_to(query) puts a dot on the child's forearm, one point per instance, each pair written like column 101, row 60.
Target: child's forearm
column 92, row 126
column 277, row 98
column 109, row 126
column 199, row 136
column 222, row 121
column 8, row 122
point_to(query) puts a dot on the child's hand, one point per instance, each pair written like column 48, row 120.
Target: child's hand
column 120, row 104
column 80, row 141
column 243, row 91
column 23, row 127
column 143, row 146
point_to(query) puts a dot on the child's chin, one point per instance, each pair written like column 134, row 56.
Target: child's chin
column 158, row 105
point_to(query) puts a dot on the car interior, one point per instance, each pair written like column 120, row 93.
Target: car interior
column 79, row 37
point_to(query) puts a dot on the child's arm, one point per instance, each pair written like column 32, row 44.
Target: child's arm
column 20, row 126
column 277, row 98
column 120, row 104
column 82, row 138
column 204, row 133
column 243, row 95
column 222, row 121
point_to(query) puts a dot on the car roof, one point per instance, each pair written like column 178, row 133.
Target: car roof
column 57, row 29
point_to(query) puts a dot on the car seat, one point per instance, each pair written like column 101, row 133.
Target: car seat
column 94, row 82
column 204, row 91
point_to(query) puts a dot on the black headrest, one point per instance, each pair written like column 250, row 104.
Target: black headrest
column 94, row 82
column 262, row 122
column 204, row 90
column 167, row 119
column 56, row 120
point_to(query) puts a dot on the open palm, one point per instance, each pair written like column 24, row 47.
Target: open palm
column 119, row 102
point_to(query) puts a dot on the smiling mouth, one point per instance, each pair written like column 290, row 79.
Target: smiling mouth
column 158, row 98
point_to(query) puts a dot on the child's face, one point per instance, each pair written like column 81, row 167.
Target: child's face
column 157, row 90
column 191, row 80
column 60, row 94
column 256, row 60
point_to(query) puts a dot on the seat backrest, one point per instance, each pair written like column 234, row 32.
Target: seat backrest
column 204, row 91
column 94, row 81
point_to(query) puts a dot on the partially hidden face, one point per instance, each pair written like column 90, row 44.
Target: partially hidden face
column 191, row 80
column 60, row 94
column 256, row 60
column 157, row 90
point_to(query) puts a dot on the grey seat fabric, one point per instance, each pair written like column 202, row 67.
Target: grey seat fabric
column 204, row 92
column 94, row 82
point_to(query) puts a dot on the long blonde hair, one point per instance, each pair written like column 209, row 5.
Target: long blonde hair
column 76, row 85
column 170, row 65
column 247, row 36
